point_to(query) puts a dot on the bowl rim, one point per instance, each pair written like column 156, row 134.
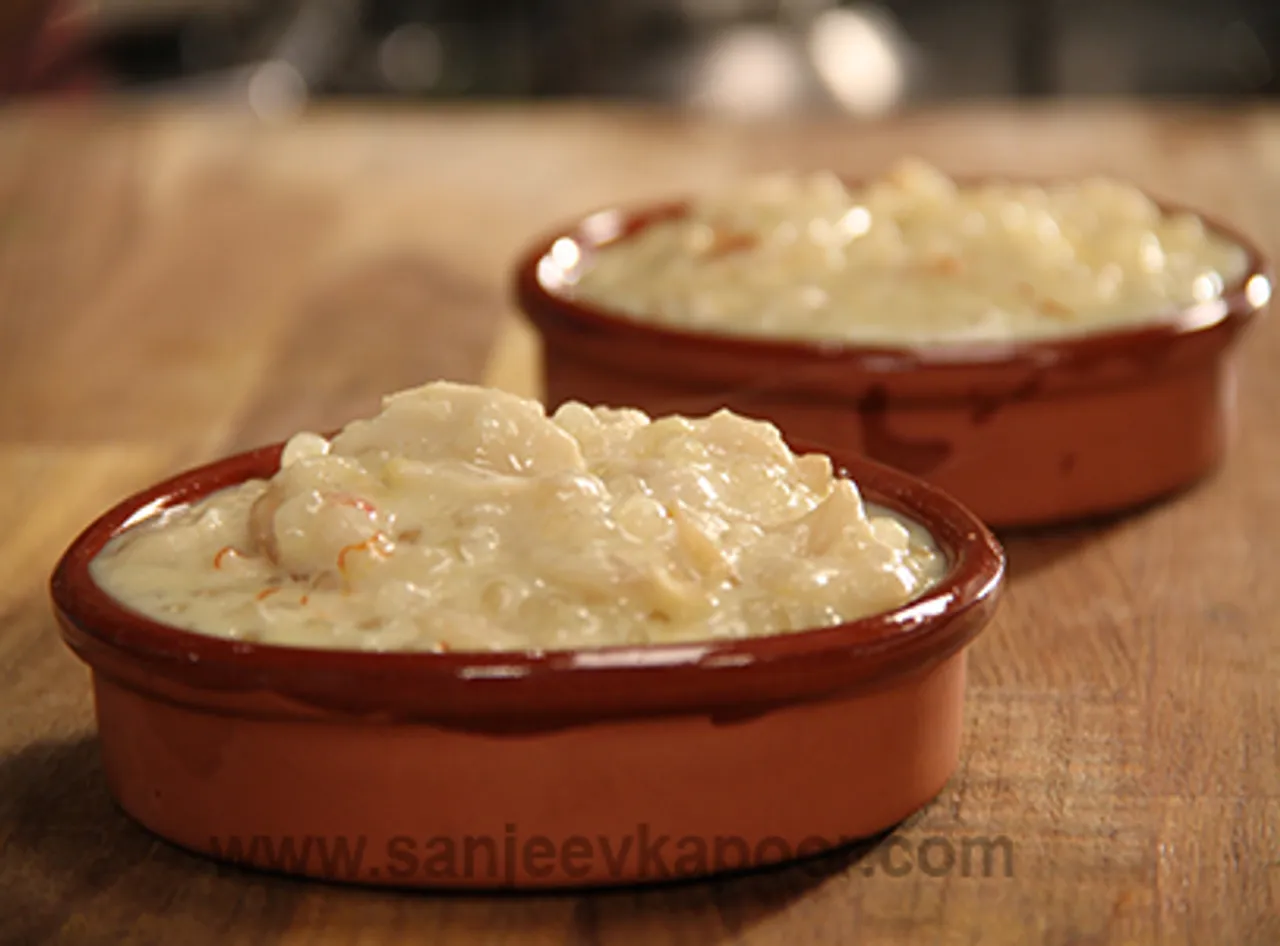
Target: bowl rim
column 546, row 307
column 626, row 680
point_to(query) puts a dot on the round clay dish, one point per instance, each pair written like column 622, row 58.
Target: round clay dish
column 1024, row 434
column 521, row 770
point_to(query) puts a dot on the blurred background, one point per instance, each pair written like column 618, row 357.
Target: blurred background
column 743, row 57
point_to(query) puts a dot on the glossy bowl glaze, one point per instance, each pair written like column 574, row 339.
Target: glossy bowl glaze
column 521, row 770
column 1026, row 433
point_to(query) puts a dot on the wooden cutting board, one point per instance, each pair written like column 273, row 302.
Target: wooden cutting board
column 174, row 286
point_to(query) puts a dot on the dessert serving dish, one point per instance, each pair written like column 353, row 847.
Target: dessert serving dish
column 435, row 755
column 1041, row 352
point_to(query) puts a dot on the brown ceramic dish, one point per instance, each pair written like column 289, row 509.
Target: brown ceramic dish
column 522, row 769
column 1024, row 434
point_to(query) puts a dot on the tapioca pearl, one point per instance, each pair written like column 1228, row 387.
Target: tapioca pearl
column 884, row 245
column 325, row 473
column 921, row 180
column 398, row 596
column 224, row 522
column 582, row 423
column 704, row 553
column 1075, row 289
column 828, row 523
column 567, row 507
column 479, row 543
column 1108, row 281
column 605, row 432
column 502, row 596
column 823, row 233
column 1182, row 232
column 731, row 434
column 704, row 308
column 1207, row 285
column 664, row 429
column 765, row 490
column 891, row 532
column 495, row 430
column 311, row 535
column 1032, row 197
column 303, row 446
column 526, row 447
column 566, row 619
column 826, row 189
column 396, row 633
column 677, row 449
column 643, row 519
column 1117, row 201
column 672, row 595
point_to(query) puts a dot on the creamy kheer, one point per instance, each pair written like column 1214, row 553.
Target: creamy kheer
column 911, row 257
column 464, row 518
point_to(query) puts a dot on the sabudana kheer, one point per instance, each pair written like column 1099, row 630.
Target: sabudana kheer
column 462, row 518
column 911, row 257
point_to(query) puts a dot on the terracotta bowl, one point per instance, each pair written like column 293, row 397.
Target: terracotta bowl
column 492, row 770
column 1024, row 434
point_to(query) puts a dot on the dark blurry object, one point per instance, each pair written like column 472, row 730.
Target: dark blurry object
column 1033, row 48
column 42, row 48
column 21, row 23
column 269, row 56
column 740, row 56
column 859, row 57
column 744, row 57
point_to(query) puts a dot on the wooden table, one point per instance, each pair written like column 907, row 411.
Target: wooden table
column 176, row 286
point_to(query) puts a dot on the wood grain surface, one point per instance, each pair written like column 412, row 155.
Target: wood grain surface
column 176, row 286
